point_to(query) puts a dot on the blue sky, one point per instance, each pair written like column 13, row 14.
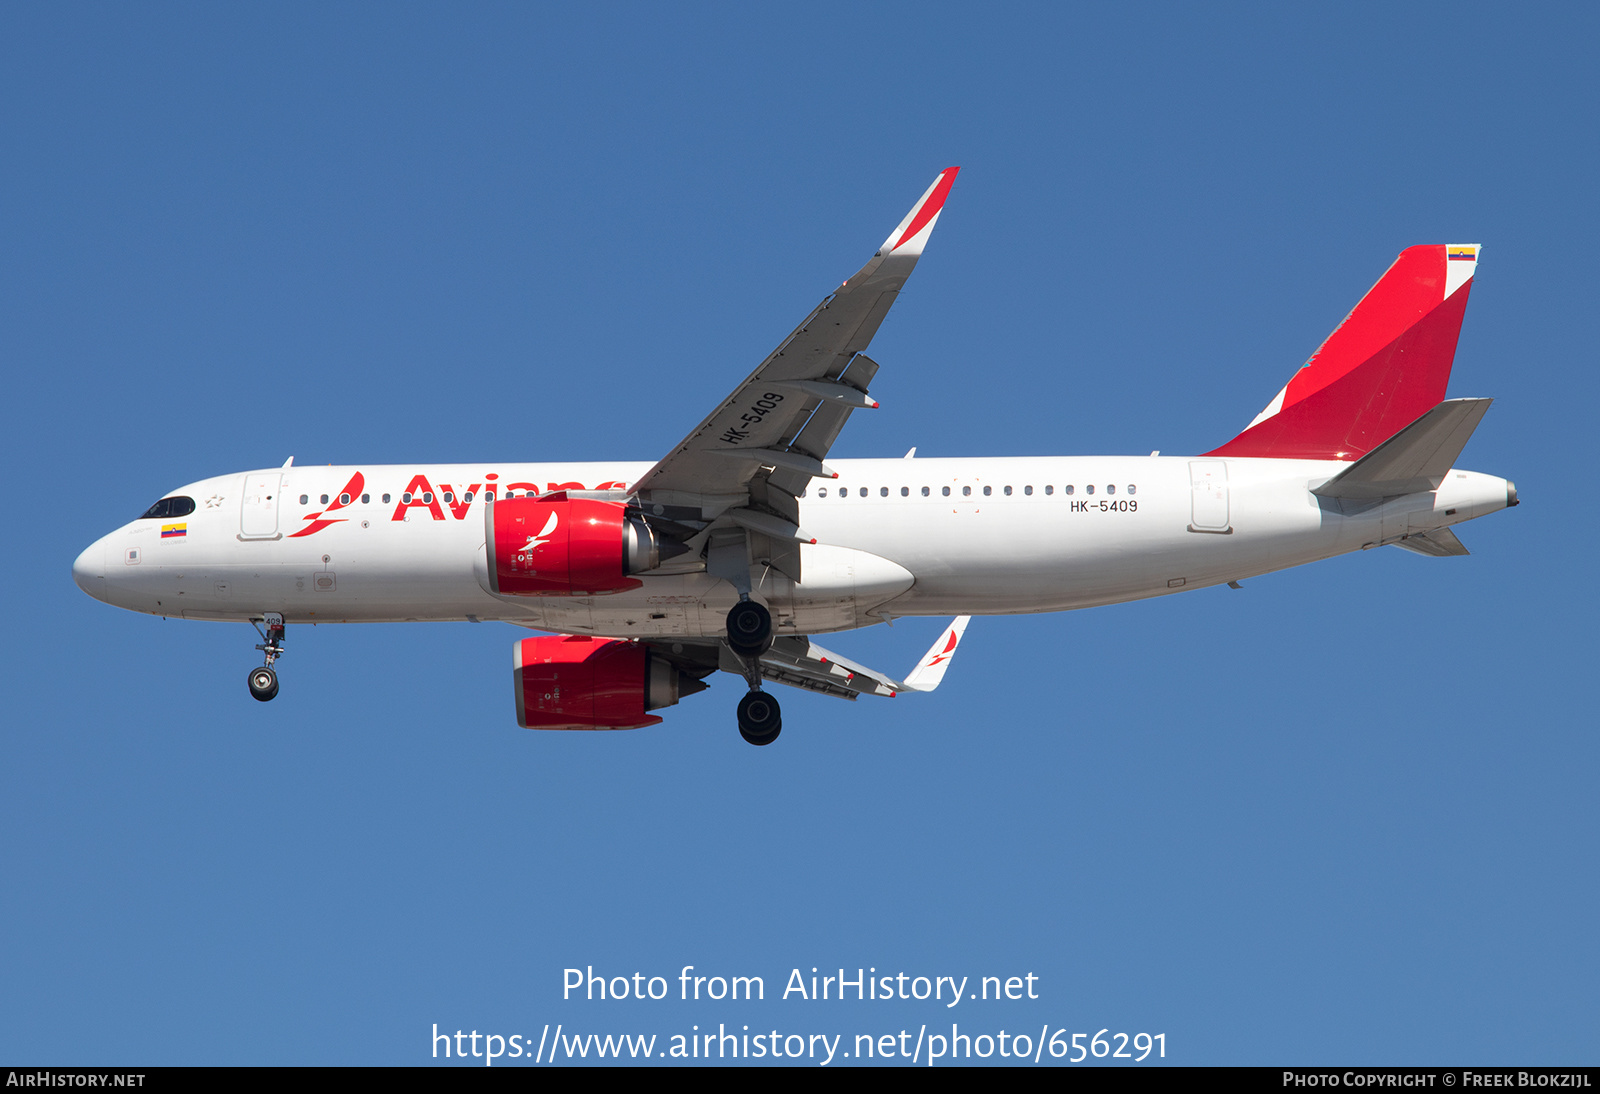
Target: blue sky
column 1344, row 815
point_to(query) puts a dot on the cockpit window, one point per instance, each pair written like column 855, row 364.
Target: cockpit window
column 169, row 507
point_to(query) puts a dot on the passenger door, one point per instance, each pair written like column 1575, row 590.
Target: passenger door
column 1208, row 493
column 259, row 505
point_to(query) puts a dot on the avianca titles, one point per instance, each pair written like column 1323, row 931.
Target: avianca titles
column 735, row 548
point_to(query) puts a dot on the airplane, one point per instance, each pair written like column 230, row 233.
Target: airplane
column 741, row 543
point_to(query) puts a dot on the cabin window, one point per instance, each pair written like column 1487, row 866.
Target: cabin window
column 1111, row 489
column 883, row 491
column 406, row 497
column 1067, row 489
column 1132, row 489
column 304, row 498
column 905, row 491
column 449, row 496
column 1028, row 490
column 365, row 498
column 488, row 495
column 822, row 492
column 1049, row 489
column 427, row 496
column 324, row 499
column 386, row 499
column 344, row 499
column 966, row 491
column 1008, row 491
column 169, row 507
column 1089, row 489
column 863, row 491
column 945, row 491
column 987, row 490
column 924, row 491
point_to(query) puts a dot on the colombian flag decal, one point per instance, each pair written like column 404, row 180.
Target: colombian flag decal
column 174, row 531
column 1458, row 254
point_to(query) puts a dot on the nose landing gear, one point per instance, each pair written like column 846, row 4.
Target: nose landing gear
column 263, row 681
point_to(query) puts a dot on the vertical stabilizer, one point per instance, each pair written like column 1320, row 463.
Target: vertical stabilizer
column 1380, row 370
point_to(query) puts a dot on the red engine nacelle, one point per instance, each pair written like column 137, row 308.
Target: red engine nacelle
column 556, row 546
column 577, row 682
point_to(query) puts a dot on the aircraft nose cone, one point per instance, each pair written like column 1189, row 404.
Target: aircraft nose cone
column 89, row 570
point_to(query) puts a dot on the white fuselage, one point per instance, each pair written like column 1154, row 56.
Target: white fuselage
column 895, row 538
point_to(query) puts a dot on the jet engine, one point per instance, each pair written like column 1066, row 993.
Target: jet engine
column 578, row 682
column 560, row 546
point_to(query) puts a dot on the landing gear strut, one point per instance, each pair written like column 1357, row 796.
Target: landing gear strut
column 750, row 636
column 760, row 720
column 263, row 681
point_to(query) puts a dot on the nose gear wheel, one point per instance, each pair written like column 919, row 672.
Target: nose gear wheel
column 263, row 683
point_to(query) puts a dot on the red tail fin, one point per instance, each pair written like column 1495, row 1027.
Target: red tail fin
column 1383, row 368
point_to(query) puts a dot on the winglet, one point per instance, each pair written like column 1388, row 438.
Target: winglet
column 912, row 233
column 930, row 670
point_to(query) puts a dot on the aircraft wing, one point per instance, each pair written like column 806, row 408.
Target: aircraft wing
column 756, row 452
column 800, row 663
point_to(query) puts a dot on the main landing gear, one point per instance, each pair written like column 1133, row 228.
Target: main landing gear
column 263, row 681
column 749, row 629
column 749, row 636
column 760, row 720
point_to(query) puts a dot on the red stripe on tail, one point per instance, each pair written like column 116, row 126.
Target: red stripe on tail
column 1383, row 368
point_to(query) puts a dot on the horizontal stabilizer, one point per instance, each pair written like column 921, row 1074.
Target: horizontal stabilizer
column 1438, row 543
column 1414, row 460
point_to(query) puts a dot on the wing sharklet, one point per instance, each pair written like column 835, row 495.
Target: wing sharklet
column 931, row 669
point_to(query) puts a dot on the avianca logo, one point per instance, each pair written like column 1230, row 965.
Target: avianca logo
column 945, row 654
column 535, row 542
column 319, row 521
column 420, row 494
